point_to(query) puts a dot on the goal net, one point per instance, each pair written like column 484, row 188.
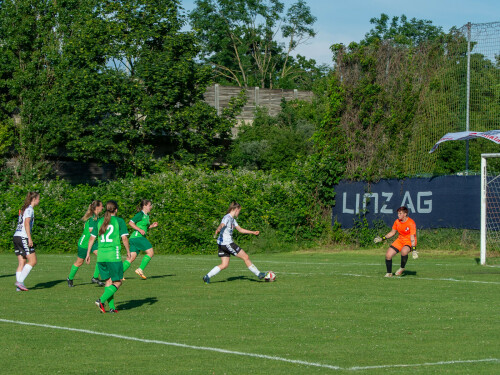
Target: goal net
column 490, row 208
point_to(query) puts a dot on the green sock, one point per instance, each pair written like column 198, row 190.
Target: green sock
column 96, row 272
column 108, row 292
column 126, row 265
column 145, row 262
column 73, row 272
column 111, row 302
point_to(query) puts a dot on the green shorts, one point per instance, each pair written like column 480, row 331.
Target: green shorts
column 82, row 252
column 113, row 270
column 139, row 244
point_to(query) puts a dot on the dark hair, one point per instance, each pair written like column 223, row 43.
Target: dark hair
column 111, row 207
column 403, row 209
column 91, row 210
column 143, row 203
column 27, row 201
column 232, row 206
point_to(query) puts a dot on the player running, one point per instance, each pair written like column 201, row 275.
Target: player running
column 110, row 229
column 138, row 240
column 90, row 219
column 23, row 243
column 226, row 245
column 406, row 241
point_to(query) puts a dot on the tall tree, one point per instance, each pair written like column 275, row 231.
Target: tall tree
column 240, row 38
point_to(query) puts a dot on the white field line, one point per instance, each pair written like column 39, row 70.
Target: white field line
column 263, row 356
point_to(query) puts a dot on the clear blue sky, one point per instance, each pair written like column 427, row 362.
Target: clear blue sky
column 345, row 21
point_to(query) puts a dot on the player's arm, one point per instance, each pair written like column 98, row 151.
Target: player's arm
column 219, row 228
column 154, row 225
column 246, row 231
column 89, row 248
column 388, row 235
column 27, row 227
column 135, row 227
column 126, row 244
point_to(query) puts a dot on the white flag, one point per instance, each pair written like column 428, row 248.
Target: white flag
column 492, row 135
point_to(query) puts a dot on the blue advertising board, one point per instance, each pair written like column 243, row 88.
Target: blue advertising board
column 438, row 202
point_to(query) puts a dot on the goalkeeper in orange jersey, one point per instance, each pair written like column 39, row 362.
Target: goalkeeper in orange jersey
column 404, row 244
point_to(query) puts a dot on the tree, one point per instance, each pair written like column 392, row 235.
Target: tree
column 239, row 38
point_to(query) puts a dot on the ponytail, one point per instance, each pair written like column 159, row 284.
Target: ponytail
column 143, row 203
column 111, row 207
column 27, row 201
column 91, row 210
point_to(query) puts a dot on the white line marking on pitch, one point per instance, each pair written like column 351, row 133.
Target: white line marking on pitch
column 274, row 358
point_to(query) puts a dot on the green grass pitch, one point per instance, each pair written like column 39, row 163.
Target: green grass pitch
column 326, row 313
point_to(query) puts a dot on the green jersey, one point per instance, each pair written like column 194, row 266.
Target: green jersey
column 110, row 240
column 89, row 225
column 142, row 221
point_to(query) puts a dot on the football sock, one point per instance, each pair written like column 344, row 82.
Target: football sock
column 214, row 272
column 96, row 271
column 404, row 259
column 388, row 265
column 254, row 270
column 18, row 276
column 108, row 292
column 24, row 273
column 73, row 272
column 126, row 265
column 111, row 302
column 145, row 262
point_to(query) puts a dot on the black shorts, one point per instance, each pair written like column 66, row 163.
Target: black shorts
column 21, row 246
column 228, row 250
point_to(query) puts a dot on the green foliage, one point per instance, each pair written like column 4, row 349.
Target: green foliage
column 239, row 40
column 362, row 233
column 188, row 204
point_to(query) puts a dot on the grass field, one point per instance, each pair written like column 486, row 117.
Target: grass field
column 327, row 313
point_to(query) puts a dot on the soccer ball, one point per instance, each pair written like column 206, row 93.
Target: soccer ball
column 270, row 276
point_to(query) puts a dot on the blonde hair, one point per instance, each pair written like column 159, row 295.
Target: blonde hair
column 27, row 201
column 232, row 206
column 91, row 210
column 143, row 203
column 111, row 207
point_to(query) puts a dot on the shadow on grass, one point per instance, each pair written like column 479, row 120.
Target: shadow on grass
column 160, row 276
column 234, row 278
column 12, row 275
column 133, row 303
column 409, row 273
column 48, row 284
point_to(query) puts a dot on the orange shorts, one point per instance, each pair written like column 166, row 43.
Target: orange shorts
column 400, row 243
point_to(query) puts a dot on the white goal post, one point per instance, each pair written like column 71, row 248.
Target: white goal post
column 490, row 204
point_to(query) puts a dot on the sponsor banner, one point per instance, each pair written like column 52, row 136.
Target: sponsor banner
column 492, row 135
column 439, row 202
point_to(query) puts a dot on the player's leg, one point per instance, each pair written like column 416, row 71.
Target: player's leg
column 391, row 251
column 21, row 259
column 224, row 258
column 128, row 262
column 404, row 258
column 30, row 263
column 142, row 244
column 74, row 269
column 243, row 255
column 113, row 271
column 145, row 260
column 95, row 277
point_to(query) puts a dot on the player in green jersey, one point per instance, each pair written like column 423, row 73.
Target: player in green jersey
column 109, row 230
column 138, row 241
column 90, row 219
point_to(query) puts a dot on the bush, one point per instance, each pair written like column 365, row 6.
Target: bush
column 188, row 204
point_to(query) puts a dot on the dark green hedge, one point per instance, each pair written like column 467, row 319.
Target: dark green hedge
column 187, row 203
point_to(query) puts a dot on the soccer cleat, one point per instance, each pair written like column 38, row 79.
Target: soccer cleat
column 261, row 275
column 70, row 283
column 399, row 272
column 388, row 274
column 140, row 273
column 21, row 286
column 97, row 281
column 99, row 304
column 113, row 311
column 18, row 290
column 414, row 254
column 206, row 279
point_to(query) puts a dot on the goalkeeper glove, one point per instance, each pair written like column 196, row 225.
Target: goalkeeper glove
column 379, row 239
column 414, row 253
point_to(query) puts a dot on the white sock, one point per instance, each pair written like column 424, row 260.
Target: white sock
column 214, row 272
column 18, row 276
column 254, row 270
column 24, row 273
